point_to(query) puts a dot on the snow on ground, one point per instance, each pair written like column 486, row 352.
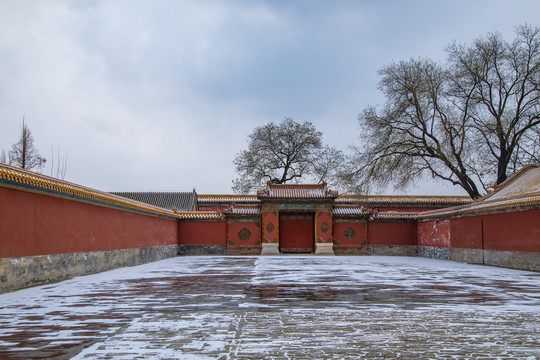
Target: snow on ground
column 278, row 307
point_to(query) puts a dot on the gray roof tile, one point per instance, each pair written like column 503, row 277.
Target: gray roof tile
column 181, row 201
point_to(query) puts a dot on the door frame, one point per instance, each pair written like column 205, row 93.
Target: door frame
column 312, row 215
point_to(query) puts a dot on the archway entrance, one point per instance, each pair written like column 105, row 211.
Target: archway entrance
column 296, row 233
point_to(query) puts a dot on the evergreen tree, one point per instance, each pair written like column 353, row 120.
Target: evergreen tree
column 23, row 153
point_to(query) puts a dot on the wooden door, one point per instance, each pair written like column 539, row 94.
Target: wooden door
column 296, row 233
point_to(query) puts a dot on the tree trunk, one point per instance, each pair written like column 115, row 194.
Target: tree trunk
column 502, row 166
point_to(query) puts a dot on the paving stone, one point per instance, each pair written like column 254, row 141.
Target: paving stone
column 279, row 308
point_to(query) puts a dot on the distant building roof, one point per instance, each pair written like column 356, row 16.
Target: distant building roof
column 220, row 199
column 360, row 211
column 350, row 210
column 243, row 210
column 519, row 192
column 403, row 200
column 367, row 200
column 181, row 201
column 296, row 191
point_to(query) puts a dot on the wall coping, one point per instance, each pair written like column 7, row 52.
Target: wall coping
column 199, row 215
column 521, row 191
column 484, row 208
column 20, row 179
column 349, row 199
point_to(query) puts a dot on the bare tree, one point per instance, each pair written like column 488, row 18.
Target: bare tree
column 462, row 122
column 23, row 153
column 500, row 83
column 418, row 130
column 281, row 153
column 61, row 164
column 327, row 167
column 527, row 150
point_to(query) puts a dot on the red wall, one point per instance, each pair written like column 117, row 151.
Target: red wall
column 254, row 229
column 515, row 231
column 466, row 232
column 202, row 232
column 270, row 227
column 35, row 224
column 324, row 236
column 358, row 227
column 434, row 233
column 512, row 231
column 392, row 233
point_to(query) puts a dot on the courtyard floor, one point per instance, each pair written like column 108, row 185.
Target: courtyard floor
column 287, row 307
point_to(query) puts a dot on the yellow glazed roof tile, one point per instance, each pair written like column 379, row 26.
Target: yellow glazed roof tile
column 38, row 181
column 199, row 215
column 519, row 191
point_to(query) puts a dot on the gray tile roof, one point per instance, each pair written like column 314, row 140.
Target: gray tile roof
column 181, row 201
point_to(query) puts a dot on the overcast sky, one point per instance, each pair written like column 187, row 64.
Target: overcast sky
column 161, row 95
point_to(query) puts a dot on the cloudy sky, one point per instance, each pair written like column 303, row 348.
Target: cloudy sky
column 161, row 95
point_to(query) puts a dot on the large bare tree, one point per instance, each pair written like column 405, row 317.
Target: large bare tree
column 23, row 153
column 284, row 152
column 465, row 122
column 498, row 84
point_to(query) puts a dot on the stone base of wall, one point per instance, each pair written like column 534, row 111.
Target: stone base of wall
column 513, row 259
column 350, row 250
column 21, row 272
column 508, row 259
column 324, row 248
column 244, row 250
column 392, row 250
column 434, row 252
column 270, row 249
column 202, row 250
column 471, row 256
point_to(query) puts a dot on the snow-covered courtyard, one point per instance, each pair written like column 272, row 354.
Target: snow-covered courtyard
column 286, row 307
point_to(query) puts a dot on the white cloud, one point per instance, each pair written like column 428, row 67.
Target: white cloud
column 162, row 95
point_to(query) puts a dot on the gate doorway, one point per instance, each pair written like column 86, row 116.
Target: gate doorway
column 296, row 233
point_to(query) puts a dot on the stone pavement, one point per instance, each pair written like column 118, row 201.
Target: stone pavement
column 284, row 307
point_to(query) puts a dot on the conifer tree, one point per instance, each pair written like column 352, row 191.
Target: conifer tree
column 23, row 153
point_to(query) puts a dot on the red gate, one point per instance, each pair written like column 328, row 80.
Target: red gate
column 296, row 232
